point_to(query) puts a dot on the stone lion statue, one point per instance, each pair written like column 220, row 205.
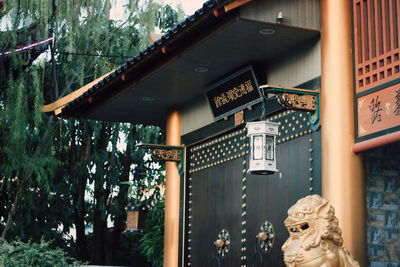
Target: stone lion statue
column 315, row 237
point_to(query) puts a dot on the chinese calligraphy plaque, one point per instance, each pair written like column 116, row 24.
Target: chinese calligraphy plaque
column 378, row 111
column 234, row 93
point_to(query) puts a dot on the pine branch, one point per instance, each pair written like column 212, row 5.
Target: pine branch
column 23, row 178
column 122, row 202
column 108, row 37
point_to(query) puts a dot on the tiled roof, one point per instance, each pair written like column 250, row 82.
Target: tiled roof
column 207, row 8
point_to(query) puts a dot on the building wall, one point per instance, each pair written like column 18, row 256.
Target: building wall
column 297, row 66
column 290, row 70
column 383, row 200
column 195, row 115
column 303, row 14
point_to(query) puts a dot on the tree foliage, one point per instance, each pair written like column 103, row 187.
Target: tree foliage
column 20, row 254
column 152, row 242
column 59, row 174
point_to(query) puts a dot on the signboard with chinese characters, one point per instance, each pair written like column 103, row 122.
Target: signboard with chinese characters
column 378, row 112
column 234, row 93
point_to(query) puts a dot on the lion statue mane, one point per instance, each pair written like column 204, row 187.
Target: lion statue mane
column 315, row 236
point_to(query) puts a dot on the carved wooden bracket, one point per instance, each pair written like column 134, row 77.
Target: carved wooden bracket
column 296, row 98
column 167, row 154
column 298, row 101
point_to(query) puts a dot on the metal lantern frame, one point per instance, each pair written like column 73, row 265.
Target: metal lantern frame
column 262, row 137
column 296, row 99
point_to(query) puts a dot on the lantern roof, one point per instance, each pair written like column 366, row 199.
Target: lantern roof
column 179, row 66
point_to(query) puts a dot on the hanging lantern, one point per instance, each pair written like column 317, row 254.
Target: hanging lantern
column 262, row 135
column 136, row 219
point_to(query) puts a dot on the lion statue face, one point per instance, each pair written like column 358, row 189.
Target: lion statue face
column 315, row 237
column 311, row 219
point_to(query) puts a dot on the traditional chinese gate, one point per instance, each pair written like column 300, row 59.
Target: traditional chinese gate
column 230, row 215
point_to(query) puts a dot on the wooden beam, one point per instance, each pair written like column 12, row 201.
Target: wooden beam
column 58, row 105
column 235, row 4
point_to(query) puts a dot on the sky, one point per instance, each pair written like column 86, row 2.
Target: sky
column 117, row 11
column 188, row 6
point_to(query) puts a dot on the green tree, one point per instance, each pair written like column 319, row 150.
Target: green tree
column 49, row 165
column 152, row 242
column 20, row 254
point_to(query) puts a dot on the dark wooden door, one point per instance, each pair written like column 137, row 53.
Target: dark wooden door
column 270, row 196
column 216, row 207
column 221, row 195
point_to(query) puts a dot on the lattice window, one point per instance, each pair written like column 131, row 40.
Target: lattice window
column 376, row 34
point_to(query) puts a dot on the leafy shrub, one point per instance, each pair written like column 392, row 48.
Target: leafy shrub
column 152, row 243
column 5, row 249
column 20, row 254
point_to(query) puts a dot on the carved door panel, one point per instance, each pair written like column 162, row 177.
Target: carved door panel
column 221, row 196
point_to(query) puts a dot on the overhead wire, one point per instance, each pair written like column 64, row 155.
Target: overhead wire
column 91, row 55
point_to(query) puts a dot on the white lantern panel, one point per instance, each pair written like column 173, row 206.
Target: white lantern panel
column 269, row 148
column 258, row 147
column 262, row 135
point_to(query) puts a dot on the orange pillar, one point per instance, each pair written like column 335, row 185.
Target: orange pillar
column 342, row 170
column 172, row 184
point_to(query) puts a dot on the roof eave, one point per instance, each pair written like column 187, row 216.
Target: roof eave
column 154, row 56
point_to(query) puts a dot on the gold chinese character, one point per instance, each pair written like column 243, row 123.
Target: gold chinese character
column 242, row 89
column 217, row 101
column 237, row 91
column 249, row 86
column 220, row 100
column 225, row 100
column 231, row 95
